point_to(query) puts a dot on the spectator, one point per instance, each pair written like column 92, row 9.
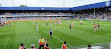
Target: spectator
column 64, row 46
column 89, row 47
column 22, row 46
column 46, row 45
column 41, row 42
column 32, row 46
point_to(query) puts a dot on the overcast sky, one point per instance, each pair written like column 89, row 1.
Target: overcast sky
column 48, row 3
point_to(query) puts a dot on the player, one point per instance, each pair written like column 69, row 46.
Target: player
column 11, row 23
column 60, row 22
column 41, row 42
column 50, row 23
column 94, row 23
column 46, row 45
column 64, row 46
column 73, row 22
column 50, row 32
column 21, row 47
column 94, row 28
column 55, row 22
column 67, row 21
column 80, row 22
column 36, row 26
column 92, row 20
column 33, row 22
column 46, row 24
column 89, row 22
column 98, row 26
column 70, row 26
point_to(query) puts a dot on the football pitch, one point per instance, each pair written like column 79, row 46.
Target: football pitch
column 11, row 36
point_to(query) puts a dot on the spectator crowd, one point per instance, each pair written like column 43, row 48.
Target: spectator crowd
column 42, row 45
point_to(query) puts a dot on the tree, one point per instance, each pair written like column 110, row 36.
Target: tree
column 23, row 6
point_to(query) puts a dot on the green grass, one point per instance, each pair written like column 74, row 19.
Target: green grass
column 25, row 32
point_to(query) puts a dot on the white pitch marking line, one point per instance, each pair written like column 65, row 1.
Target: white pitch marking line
column 60, row 40
column 37, row 30
column 108, row 34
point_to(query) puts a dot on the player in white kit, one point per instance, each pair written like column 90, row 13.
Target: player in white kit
column 36, row 26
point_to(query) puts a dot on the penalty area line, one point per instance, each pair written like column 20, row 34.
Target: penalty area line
column 60, row 39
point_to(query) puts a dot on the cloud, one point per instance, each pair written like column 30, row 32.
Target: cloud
column 49, row 3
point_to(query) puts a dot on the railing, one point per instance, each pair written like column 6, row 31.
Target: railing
column 31, row 15
column 106, row 45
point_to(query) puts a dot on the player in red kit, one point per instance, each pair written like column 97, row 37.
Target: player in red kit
column 94, row 28
column 55, row 22
column 94, row 23
column 67, row 21
column 60, row 22
column 72, row 24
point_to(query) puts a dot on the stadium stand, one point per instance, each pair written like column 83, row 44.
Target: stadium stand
column 81, row 12
column 97, row 11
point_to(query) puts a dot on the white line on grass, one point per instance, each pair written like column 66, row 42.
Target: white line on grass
column 60, row 40
column 37, row 30
column 108, row 34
